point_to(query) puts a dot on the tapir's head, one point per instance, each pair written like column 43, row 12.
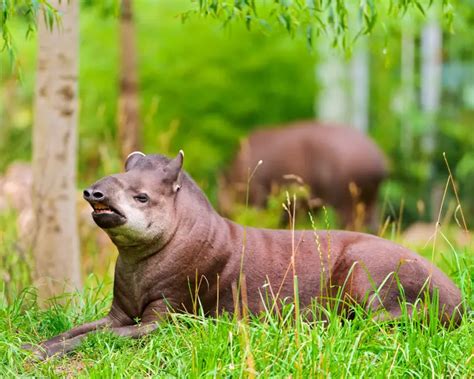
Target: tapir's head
column 138, row 206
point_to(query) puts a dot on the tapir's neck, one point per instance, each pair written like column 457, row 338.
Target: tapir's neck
column 194, row 223
column 201, row 233
column 203, row 245
column 201, row 240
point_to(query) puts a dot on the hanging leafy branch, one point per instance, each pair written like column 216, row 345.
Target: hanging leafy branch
column 28, row 11
column 342, row 21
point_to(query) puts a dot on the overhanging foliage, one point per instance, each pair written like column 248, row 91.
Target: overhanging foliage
column 27, row 10
column 342, row 21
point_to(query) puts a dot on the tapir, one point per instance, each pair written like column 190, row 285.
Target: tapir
column 177, row 254
column 342, row 167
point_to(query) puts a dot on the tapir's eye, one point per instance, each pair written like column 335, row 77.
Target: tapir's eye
column 141, row 197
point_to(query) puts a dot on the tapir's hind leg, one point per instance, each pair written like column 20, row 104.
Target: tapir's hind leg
column 409, row 287
column 382, row 309
column 377, row 281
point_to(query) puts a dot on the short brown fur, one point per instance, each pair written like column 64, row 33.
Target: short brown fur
column 326, row 157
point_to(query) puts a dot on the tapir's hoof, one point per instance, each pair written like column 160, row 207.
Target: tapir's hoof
column 38, row 353
column 28, row 346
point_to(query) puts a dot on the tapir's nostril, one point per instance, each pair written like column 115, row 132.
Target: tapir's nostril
column 97, row 195
column 93, row 195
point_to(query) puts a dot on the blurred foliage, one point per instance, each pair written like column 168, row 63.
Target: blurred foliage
column 204, row 86
column 340, row 21
column 417, row 175
column 15, row 260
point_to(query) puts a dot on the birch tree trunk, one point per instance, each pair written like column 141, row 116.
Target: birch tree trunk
column 56, row 245
column 360, row 86
column 128, row 107
column 431, row 55
column 408, row 88
column 344, row 86
column 332, row 103
column 431, row 39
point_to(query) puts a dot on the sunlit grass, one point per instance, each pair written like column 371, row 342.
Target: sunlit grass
column 195, row 346
column 15, row 260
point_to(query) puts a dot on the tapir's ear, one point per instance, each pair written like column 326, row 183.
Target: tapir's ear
column 174, row 169
column 132, row 159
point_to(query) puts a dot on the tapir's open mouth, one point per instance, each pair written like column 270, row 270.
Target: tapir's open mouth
column 101, row 208
column 107, row 216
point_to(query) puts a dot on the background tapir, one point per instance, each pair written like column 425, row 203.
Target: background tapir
column 175, row 252
column 326, row 157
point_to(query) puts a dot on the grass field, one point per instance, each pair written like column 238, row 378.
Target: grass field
column 196, row 346
column 188, row 346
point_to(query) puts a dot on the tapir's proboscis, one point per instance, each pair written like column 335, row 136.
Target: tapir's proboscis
column 171, row 242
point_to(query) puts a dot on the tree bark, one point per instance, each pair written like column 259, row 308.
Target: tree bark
column 431, row 55
column 408, row 88
column 343, row 86
column 128, row 107
column 360, row 85
column 56, row 244
column 431, row 44
column 332, row 103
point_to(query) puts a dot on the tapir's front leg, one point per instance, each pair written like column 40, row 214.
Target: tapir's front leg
column 118, row 323
column 66, row 345
column 115, row 318
column 79, row 330
column 45, row 348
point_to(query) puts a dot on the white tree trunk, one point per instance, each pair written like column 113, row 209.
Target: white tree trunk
column 332, row 104
column 360, row 86
column 408, row 88
column 431, row 39
column 56, row 245
column 431, row 65
column 343, row 86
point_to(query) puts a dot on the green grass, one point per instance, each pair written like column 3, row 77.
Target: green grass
column 196, row 346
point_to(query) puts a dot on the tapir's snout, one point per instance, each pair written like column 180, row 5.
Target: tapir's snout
column 91, row 195
column 105, row 213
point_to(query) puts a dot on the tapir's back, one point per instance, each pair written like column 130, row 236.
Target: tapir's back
column 360, row 264
column 303, row 147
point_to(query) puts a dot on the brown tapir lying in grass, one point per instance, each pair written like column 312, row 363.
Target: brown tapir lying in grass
column 327, row 158
column 171, row 241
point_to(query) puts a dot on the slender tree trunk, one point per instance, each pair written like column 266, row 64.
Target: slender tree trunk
column 56, row 246
column 431, row 44
column 128, row 106
column 431, row 55
column 360, row 86
column 408, row 88
column 344, row 87
column 331, row 75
